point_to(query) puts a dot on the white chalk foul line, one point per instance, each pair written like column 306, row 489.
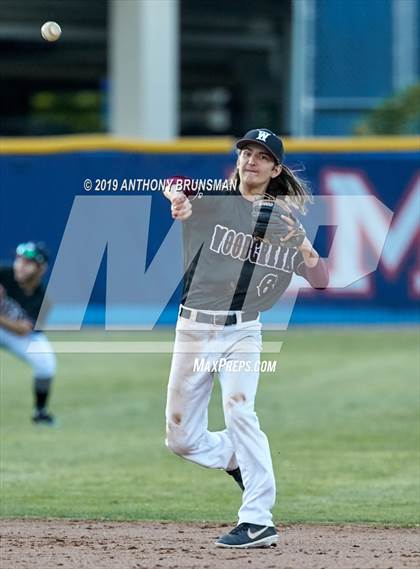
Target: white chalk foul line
column 126, row 347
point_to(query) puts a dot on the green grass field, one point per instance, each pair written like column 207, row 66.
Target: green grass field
column 341, row 414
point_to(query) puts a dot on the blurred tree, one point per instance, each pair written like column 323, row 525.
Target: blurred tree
column 399, row 114
column 68, row 112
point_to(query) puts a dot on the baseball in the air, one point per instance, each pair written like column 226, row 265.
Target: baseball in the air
column 51, row 31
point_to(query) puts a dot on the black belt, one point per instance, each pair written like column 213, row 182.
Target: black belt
column 218, row 319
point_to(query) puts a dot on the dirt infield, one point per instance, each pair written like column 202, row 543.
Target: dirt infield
column 52, row 544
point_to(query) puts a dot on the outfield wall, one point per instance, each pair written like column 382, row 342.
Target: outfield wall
column 42, row 178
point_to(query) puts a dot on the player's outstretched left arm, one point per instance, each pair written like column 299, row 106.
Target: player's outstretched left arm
column 276, row 224
column 310, row 255
column 314, row 269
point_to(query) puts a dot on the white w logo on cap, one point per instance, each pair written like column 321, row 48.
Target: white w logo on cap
column 263, row 135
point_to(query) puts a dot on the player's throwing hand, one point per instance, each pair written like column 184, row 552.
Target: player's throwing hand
column 181, row 208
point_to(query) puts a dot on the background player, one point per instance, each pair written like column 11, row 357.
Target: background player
column 21, row 296
column 232, row 275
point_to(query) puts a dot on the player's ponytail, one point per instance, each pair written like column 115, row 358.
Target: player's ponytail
column 287, row 183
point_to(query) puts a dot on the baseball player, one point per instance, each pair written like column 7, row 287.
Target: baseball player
column 21, row 296
column 241, row 249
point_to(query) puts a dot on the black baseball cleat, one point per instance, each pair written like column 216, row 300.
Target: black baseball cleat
column 249, row 535
column 41, row 417
column 237, row 476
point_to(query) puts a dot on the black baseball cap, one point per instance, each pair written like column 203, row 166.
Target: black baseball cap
column 266, row 138
column 33, row 251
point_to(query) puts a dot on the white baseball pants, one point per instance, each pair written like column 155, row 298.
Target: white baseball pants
column 242, row 442
column 43, row 364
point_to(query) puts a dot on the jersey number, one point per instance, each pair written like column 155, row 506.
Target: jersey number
column 267, row 283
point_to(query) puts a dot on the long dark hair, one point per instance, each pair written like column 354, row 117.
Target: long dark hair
column 288, row 185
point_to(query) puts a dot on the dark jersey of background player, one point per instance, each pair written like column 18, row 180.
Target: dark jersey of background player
column 29, row 303
column 225, row 267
